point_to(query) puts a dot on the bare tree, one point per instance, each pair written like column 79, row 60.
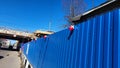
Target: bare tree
column 73, row 8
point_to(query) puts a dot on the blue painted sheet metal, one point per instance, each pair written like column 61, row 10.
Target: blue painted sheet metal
column 93, row 44
column 119, row 39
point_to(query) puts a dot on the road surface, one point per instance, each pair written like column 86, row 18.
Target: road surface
column 9, row 59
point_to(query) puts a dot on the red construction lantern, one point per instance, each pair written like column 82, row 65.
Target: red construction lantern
column 71, row 28
column 45, row 36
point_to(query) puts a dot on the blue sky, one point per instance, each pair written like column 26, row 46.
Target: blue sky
column 30, row 15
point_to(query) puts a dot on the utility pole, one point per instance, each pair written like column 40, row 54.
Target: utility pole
column 72, row 9
column 93, row 4
column 49, row 26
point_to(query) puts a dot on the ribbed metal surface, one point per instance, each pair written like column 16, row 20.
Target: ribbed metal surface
column 93, row 44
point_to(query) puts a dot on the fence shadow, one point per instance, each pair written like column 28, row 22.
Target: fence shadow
column 1, row 57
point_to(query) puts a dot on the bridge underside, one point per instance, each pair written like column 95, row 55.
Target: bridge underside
column 17, row 37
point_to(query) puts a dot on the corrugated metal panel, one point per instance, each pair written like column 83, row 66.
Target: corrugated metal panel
column 119, row 40
column 93, row 44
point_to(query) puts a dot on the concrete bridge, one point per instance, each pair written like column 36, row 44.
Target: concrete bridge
column 21, row 36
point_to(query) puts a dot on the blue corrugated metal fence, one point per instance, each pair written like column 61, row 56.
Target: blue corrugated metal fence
column 93, row 44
